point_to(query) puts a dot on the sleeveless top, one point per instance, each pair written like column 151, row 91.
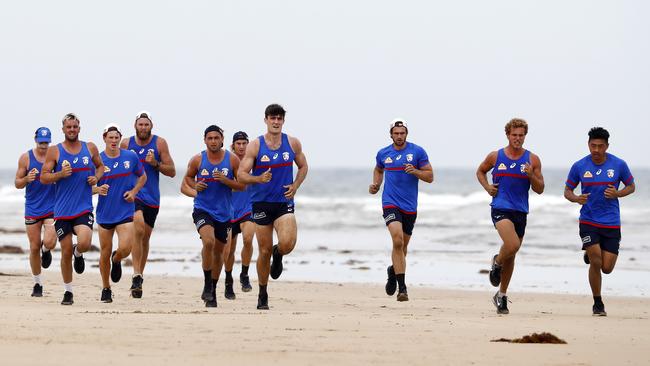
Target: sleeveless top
column 150, row 193
column 216, row 199
column 281, row 163
column 39, row 198
column 513, row 182
column 73, row 195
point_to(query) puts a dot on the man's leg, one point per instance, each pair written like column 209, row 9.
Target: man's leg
column 398, row 256
column 229, row 262
column 287, row 230
column 146, row 238
column 66, row 267
column 207, row 239
column 106, row 247
column 136, row 251
column 125, row 238
column 264, row 235
column 34, row 237
column 507, row 253
column 248, row 231
column 217, row 263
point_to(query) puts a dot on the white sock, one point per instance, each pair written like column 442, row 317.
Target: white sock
column 68, row 286
column 37, row 279
column 502, row 294
column 44, row 249
column 136, row 274
column 76, row 252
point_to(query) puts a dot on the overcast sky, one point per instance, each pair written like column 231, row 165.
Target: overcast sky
column 456, row 70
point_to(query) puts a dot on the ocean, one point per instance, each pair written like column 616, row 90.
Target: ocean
column 342, row 236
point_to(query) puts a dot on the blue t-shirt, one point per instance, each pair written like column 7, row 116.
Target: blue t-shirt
column 513, row 181
column 599, row 211
column 241, row 205
column 401, row 189
column 121, row 174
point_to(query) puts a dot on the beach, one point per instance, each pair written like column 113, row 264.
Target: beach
column 310, row 323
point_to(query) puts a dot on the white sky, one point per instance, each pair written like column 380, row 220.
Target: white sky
column 456, row 70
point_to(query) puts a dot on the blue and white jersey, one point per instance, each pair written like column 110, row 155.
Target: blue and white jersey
column 401, row 189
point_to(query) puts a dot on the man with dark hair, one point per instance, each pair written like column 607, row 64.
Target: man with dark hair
column 271, row 158
column 514, row 171
column 240, row 223
column 75, row 167
column 210, row 179
column 405, row 164
column 153, row 152
column 600, row 175
column 39, row 207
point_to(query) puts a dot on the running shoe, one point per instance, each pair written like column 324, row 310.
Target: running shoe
column 495, row 272
column 501, row 303
column 245, row 282
column 46, row 258
column 67, row 298
column 212, row 303
column 116, row 269
column 79, row 263
column 207, row 294
column 391, row 282
column 263, row 302
column 136, row 286
column 585, row 258
column 402, row 295
column 276, row 265
column 37, row 291
column 599, row 310
column 107, row 295
column 229, row 293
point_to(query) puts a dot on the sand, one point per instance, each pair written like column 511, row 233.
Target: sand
column 309, row 324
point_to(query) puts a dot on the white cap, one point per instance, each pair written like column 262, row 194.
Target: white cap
column 114, row 126
column 144, row 114
column 400, row 122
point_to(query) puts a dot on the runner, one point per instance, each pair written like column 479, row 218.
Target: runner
column 153, row 152
column 405, row 164
column 514, row 171
column 210, row 179
column 123, row 178
column 39, row 207
column 75, row 166
column 271, row 158
column 600, row 175
column 241, row 223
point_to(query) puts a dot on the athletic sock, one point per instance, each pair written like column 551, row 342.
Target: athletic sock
column 76, row 252
column 68, row 286
column 598, row 300
column 214, row 284
column 400, row 282
column 244, row 270
column 502, row 294
column 262, row 289
column 37, row 279
column 228, row 276
column 43, row 248
column 207, row 276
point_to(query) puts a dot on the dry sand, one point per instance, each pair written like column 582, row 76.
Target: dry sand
column 308, row 324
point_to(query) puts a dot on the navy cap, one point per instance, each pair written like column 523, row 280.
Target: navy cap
column 43, row 134
column 239, row 135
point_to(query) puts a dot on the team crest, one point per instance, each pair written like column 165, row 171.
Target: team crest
column 275, row 156
column 224, row 171
column 285, row 155
column 127, row 164
column 409, row 157
column 522, row 168
column 43, row 132
column 599, row 171
column 85, row 160
column 265, row 159
column 398, row 157
column 116, row 164
column 588, row 175
column 204, row 172
column 610, row 173
column 106, row 169
column 502, row 166
column 75, row 160
column 388, row 160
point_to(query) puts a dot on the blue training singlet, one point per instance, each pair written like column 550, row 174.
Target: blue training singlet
column 39, row 198
column 599, row 210
column 241, row 204
column 281, row 163
column 216, row 200
column 121, row 174
column 73, row 195
column 150, row 193
column 401, row 189
column 513, row 182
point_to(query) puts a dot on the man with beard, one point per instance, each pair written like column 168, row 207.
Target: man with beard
column 599, row 174
column 240, row 223
column 210, row 179
column 39, row 207
column 405, row 164
column 152, row 150
column 271, row 157
column 75, row 167
column 514, row 171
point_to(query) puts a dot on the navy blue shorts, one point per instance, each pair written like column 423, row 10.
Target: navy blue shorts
column 65, row 227
column 148, row 213
column 221, row 229
column 609, row 239
column 116, row 224
column 518, row 218
column 265, row 213
column 408, row 220
column 235, row 226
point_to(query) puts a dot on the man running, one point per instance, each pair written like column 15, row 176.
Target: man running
column 514, row 171
column 241, row 223
column 75, row 167
column 153, row 151
column 39, row 207
column 405, row 164
column 271, row 158
column 123, row 178
column 210, row 179
column 600, row 175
